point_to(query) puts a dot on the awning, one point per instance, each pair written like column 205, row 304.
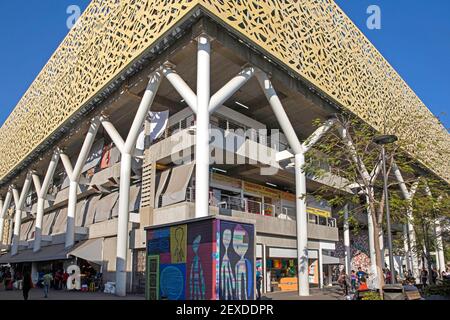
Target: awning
column 30, row 234
column 104, row 207
column 90, row 250
column 24, row 229
column 326, row 259
column 162, row 183
column 90, row 210
column 80, row 213
column 135, row 198
column 287, row 253
column 48, row 253
column 60, row 222
column 179, row 181
column 95, row 155
column 48, row 223
column 61, row 196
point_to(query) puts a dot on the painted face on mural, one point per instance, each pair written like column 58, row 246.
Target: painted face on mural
column 179, row 234
column 196, row 243
column 226, row 238
column 240, row 241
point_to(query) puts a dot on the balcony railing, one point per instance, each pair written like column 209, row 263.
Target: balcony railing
column 256, row 207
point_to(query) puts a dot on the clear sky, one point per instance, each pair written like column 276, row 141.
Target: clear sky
column 414, row 37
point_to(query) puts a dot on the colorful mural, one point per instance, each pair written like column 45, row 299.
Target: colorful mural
column 172, row 281
column 200, row 263
column 178, row 240
column 201, row 260
column 237, row 261
column 152, row 287
column 359, row 245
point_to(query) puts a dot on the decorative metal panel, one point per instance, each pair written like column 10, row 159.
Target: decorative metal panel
column 314, row 38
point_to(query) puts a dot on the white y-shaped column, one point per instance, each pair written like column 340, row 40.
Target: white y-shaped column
column 19, row 201
column 413, row 262
column 41, row 190
column 74, row 174
column 300, row 176
column 5, row 206
column 203, row 105
column 202, row 134
column 127, row 149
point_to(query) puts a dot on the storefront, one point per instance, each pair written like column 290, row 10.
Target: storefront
column 280, row 268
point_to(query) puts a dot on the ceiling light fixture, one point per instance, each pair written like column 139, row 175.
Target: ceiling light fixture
column 242, row 105
column 271, row 184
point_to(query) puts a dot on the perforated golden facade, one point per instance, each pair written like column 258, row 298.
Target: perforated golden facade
column 314, row 38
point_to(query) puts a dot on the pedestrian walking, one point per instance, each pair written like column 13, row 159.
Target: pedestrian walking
column 259, row 279
column 47, row 281
column 64, row 279
column 354, row 279
column 26, row 286
column 343, row 281
column 434, row 275
column 388, row 276
column 424, row 276
column 360, row 274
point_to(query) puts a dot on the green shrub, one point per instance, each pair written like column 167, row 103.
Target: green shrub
column 441, row 289
column 372, row 296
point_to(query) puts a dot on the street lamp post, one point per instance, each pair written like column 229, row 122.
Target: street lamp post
column 382, row 141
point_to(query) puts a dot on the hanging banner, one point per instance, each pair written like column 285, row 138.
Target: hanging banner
column 262, row 190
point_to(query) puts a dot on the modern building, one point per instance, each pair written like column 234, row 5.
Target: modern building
column 112, row 136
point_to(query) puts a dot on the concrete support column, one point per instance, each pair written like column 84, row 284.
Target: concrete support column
column 302, row 225
column 42, row 196
column 122, row 229
column 320, row 268
column 4, row 209
column 348, row 251
column 264, row 268
column 18, row 216
column 74, row 176
column 300, row 182
column 202, row 152
column 127, row 149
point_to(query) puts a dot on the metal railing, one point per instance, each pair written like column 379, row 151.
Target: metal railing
column 322, row 221
column 226, row 125
column 257, row 207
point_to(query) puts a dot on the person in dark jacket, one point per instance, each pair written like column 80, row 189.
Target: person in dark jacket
column 26, row 286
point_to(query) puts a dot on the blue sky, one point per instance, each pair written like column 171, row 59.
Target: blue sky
column 414, row 38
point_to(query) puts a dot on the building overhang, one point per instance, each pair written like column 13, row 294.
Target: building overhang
column 312, row 41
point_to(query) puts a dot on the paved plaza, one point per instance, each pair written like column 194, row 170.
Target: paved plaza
column 61, row 295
